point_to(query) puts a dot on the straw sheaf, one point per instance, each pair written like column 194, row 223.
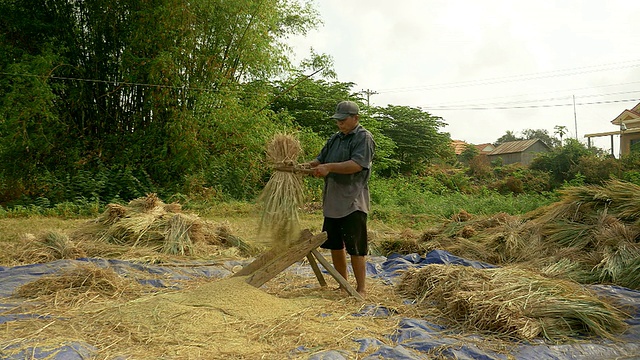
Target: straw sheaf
column 283, row 149
column 283, row 195
column 48, row 246
column 595, row 227
column 620, row 199
column 512, row 302
column 149, row 223
column 149, row 202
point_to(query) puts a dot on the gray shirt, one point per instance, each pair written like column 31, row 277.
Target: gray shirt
column 346, row 193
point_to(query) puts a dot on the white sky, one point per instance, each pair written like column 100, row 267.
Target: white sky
column 473, row 63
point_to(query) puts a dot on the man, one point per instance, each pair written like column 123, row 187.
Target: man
column 345, row 164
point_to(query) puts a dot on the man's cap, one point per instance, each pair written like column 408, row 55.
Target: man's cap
column 345, row 109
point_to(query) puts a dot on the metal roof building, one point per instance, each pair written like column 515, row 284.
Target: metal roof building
column 522, row 151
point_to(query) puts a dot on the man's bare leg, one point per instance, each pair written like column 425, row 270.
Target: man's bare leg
column 360, row 271
column 339, row 258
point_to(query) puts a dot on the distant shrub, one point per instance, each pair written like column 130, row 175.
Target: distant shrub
column 596, row 170
column 632, row 177
column 518, row 179
column 480, row 167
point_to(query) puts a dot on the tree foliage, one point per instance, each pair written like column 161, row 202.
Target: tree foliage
column 157, row 85
column 416, row 135
column 560, row 161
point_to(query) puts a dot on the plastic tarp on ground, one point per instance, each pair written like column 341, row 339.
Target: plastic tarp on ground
column 413, row 338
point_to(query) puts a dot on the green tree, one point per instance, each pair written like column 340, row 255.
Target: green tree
column 310, row 103
column 416, row 136
column 560, row 131
column 508, row 136
column 542, row 135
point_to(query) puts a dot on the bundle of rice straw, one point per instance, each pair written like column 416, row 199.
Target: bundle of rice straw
column 283, row 194
column 81, row 281
column 48, row 246
column 512, row 302
column 148, row 222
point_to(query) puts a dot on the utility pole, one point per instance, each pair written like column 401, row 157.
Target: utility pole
column 575, row 117
column 368, row 93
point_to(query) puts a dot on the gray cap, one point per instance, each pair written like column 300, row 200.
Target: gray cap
column 345, row 109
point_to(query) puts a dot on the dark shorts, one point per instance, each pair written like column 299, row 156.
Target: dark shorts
column 349, row 232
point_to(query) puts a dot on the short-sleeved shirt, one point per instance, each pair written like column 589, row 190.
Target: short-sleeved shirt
column 346, row 193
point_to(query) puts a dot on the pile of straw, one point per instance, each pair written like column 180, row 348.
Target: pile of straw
column 404, row 243
column 46, row 247
column 283, row 195
column 148, row 222
column 592, row 235
column 81, row 282
column 512, row 302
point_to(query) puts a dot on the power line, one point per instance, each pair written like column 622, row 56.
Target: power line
column 532, row 76
column 566, row 91
column 532, row 106
column 445, row 106
column 111, row 82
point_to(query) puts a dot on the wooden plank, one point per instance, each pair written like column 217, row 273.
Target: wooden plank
column 285, row 258
column 268, row 256
column 316, row 269
column 336, row 275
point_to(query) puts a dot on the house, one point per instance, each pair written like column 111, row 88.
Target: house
column 628, row 123
column 522, row 151
column 484, row 149
column 458, row 146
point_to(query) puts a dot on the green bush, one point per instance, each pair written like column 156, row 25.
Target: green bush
column 596, row 170
column 560, row 161
column 632, row 177
column 518, row 179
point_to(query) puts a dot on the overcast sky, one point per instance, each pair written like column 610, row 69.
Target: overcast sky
column 488, row 66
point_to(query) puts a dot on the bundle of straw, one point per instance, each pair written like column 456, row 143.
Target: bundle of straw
column 512, row 302
column 78, row 281
column 283, row 194
column 148, row 222
column 49, row 246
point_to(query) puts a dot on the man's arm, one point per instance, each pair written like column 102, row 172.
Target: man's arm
column 345, row 167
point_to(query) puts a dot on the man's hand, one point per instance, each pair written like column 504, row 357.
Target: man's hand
column 321, row 170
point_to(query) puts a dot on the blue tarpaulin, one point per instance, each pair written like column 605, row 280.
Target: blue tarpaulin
column 412, row 339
